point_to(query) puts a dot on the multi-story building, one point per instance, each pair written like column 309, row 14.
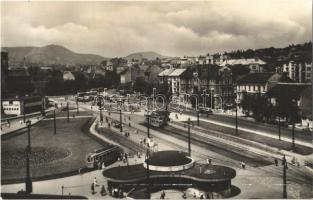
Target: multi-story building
column 215, row 80
column 300, row 72
column 21, row 105
column 254, row 64
column 259, row 83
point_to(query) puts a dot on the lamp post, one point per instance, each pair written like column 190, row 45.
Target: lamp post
column 293, row 119
column 212, row 90
column 236, row 117
column 285, row 167
column 24, row 116
column 204, row 98
column 55, row 123
column 28, row 123
column 28, row 181
column 121, row 127
column 148, row 172
column 68, row 112
column 77, row 106
column 189, row 145
column 198, row 115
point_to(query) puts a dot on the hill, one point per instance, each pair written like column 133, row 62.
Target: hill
column 150, row 55
column 50, row 54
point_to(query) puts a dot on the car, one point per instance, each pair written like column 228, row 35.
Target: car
column 207, row 111
column 116, row 124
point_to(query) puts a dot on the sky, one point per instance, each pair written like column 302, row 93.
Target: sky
column 170, row 28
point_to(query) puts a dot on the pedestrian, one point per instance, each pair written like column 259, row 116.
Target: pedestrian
column 243, row 165
column 95, row 182
column 103, row 191
column 184, row 196
column 283, row 160
column 92, row 188
column 276, row 162
column 194, row 195
column 129, row 118
column 129, row 124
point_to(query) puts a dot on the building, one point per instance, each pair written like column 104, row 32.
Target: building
column 68, row 76
column 254, row 64
column 21, row 105
column 4, row 71
column 216, row 80
column 300, row 72
column 130, row 74
column 259, row 83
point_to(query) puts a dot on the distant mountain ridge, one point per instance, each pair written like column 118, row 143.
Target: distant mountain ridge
column 150, row 55
column 50, row 54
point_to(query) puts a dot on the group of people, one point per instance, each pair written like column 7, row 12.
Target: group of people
column 95, row 184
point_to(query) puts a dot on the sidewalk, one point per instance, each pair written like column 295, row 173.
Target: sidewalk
column 16, row 125
column 18, row 122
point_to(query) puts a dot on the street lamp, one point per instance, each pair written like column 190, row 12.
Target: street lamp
column 28, row 124
column 148, row 172
column 55, row 123
column 77, row 106
column 68, row 112
column 285, row 167
column 28, row 181
column 236, row 104
column 189, row 145
column 212, row 90
column 121, row 127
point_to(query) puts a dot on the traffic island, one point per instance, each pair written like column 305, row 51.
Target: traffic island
column 171, row 169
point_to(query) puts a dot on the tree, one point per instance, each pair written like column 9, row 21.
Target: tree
column 246, row 103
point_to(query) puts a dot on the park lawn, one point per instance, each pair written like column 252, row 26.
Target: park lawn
column 70, row 137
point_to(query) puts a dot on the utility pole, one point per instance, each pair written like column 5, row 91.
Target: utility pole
column 279, row 128
column 236, row 119
column 55, row 123
column 77, row 106
column 189, row 145
column 293, row 135
column 24, row 117
column 121, row 126
column 28, row 123
column 68, row 112
column 28, row 181
column 285, row 167
column 198, row 115
column 148, row 119
column 148, row 172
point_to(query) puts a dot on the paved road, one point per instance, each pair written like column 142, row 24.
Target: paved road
column 243, row 123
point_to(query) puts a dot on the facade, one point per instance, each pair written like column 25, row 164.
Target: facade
column 216, row 80
column 21, row 105
column 300, row 72
column 254, row 83
column 254, row 64
column 130, row 74
column 4, row 71
column 259, row 83
column 68, row 76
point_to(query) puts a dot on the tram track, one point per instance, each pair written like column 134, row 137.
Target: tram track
column 216, row 146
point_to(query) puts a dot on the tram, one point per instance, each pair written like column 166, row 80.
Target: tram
column 158, row 118
column 104, row 155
